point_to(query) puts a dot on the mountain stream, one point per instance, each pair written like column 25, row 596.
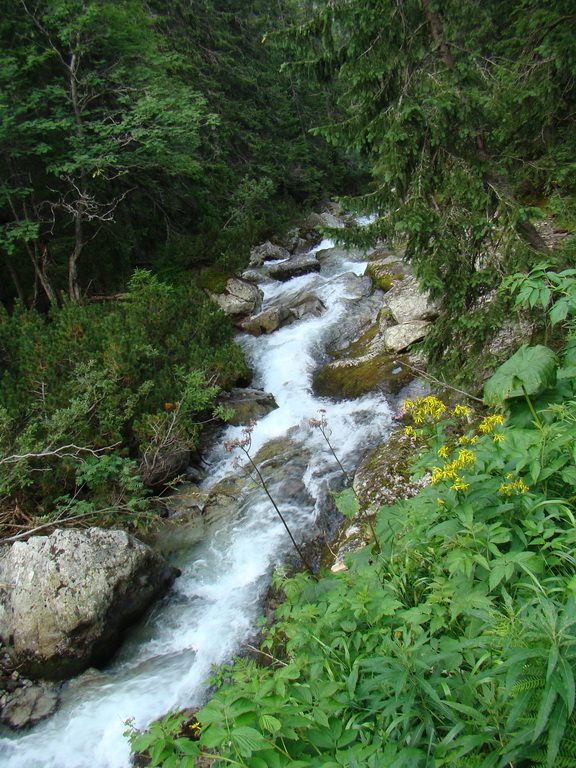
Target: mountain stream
column 213, row 606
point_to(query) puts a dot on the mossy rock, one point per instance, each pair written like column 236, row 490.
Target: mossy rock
column 349, row 379
column 214, row 279
column 385, row 274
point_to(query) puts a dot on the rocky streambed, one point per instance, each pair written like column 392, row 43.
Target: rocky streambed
column 324, row 329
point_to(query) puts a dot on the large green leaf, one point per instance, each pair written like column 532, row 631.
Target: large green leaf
column 528, row 370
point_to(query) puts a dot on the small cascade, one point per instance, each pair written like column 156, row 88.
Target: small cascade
column 213, row 607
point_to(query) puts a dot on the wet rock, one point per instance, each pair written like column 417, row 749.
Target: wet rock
column 71, row 596
column 308, row 306
column 408, row 304
column 28, row 705
column 364, row 306
column 385, row 474
column 294, row 267
column 267, row 252
column 268, row 321
column 239, row 299
column 255, row 276
column 400, row 337
column 248, row 405
column 325, row 219
column 304, row 245
column 386, row 273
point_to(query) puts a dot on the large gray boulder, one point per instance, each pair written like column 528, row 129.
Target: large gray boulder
column 325, row 219
column 268, row 321
column 267, row 252
column 66, row 598
column 239, row 299
column 408, row 304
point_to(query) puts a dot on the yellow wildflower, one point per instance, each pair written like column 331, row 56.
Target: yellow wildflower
column 410, row 431
column 460, row 485
column 497, row 437
column 443, row 451
column 461, row 410
column 517, row 486
column 465, row 457
column 424, row 408
column 487, row 425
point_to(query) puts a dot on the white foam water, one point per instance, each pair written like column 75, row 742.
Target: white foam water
column 213, row 606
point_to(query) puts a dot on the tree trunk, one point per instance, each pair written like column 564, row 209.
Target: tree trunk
column 14, row 276
column 80, row 206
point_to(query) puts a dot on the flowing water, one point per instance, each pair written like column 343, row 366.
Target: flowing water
column 213, row 606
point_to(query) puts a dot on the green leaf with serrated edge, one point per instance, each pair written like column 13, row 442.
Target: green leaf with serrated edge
column 247, row 740
column 529, row 369
column 214, row 736
column 269, row 723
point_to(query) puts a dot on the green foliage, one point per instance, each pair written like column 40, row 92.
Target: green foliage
column 131, row 130
column 529, row 370
column 93, row 392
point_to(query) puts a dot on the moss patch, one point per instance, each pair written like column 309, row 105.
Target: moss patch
column 385, row 275
column 214, row 279
column 353, row 378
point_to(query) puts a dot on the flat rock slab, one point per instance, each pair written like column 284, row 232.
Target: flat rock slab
column 248, row 405
column 66, row 598
column 294, row 267
column 400, row 337
column 28, row 705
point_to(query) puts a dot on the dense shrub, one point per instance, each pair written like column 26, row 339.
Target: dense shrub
column 85, row 390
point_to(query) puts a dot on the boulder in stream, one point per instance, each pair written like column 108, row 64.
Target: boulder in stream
column 248, row 405
column 400, row 337
column 239, row 299
column 408, row 304
column 295, row 267
column 66, row 598
column 28, row 704
column 267, row 321
column 267, row 252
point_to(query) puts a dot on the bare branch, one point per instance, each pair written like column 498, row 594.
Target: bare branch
column 70, row 450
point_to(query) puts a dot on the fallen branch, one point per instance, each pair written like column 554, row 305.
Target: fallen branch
column 56, row 521
column 257, row 650
column 441, row 383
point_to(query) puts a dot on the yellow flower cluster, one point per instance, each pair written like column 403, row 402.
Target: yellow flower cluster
column 410, row 431
column 450, row 471
column 466, row 440
column 461, row 410
column 488, row 424
column 515, row 486
column 425, row 407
